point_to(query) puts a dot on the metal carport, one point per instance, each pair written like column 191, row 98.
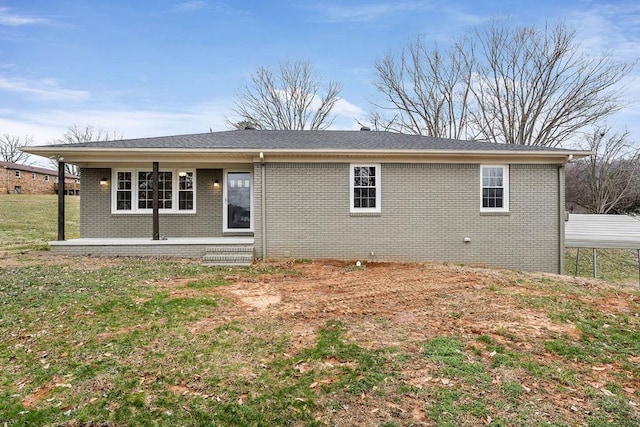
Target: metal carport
column 602, row 232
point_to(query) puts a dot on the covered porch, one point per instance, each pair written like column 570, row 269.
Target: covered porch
column 232, row 250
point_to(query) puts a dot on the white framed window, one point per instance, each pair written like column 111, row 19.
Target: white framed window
column 33, row 175
column 17, row 174
column 132, row 191
column 494, row 188
column 365, row 188
column 46, row 178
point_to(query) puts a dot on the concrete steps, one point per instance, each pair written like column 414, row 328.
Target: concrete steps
column 228, row 255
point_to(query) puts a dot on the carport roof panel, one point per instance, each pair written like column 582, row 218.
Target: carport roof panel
column 602, row 231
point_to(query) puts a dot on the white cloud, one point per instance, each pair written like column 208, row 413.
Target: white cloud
column 346, row 115
column 47, row 89
column 614, row 29
column 12, row 20
column 190, row 6
column 366, row 12
column 48, row 125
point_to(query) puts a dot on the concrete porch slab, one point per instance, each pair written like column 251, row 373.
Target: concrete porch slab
column 188, row 247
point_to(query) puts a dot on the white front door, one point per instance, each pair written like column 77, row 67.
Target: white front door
column 238, row 201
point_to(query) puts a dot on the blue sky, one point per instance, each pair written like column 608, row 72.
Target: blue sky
column 148, row 68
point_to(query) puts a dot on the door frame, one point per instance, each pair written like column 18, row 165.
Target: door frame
column 225, row 181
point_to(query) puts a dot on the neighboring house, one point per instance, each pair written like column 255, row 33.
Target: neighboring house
column 356, row 195
column 22, row 179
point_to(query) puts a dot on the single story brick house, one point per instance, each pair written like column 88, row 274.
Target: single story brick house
column 16, row 178
column 358, row 195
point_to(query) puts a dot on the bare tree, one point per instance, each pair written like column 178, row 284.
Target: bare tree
column 76, row 134
column 517, row 85
column 287, row 99
column 426, row 89
column 607, row 181
column 10, row 148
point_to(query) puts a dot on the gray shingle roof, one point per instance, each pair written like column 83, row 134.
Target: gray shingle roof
column 306, row 140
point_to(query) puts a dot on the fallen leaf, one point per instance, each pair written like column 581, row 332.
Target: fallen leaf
column 62, row 385
column 394, row 406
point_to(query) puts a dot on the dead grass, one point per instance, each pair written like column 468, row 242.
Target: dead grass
column 168, row 342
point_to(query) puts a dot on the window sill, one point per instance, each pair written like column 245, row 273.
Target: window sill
column 151, row 213
column 365, row 214
column 497, row 213
column 238, row 233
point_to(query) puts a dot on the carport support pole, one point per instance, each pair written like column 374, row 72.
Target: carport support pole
column 155, row 205
column 61, row 176
column 577, row 262
column 595, row 264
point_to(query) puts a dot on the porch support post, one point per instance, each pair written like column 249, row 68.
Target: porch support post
column 577, row 261
column 155, row 206
column 61, row 176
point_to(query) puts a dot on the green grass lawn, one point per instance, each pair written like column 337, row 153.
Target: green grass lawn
column 146, row 342
column 614, row 265
column 29, row 221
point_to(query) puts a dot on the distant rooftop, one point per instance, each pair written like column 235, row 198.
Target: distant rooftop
column 27, row 168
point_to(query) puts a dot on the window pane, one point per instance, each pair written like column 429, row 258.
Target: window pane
column 123, row 200
column 185, row 200
column 123, row 194
column 492, row 187
column 364, row 187
column 185, row 193
column 186, row 181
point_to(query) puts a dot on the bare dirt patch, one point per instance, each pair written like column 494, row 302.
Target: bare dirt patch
column 42, row 392
column 404, row 305
column 399, row 302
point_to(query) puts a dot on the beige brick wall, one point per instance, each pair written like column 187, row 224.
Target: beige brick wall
column 97, row 221
column 427, row 211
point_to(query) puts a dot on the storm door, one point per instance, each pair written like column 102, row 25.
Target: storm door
column 238, row 202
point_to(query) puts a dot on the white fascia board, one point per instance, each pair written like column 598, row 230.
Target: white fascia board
column 90, row 154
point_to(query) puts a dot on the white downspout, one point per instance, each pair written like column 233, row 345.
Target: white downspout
column 263, row 199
